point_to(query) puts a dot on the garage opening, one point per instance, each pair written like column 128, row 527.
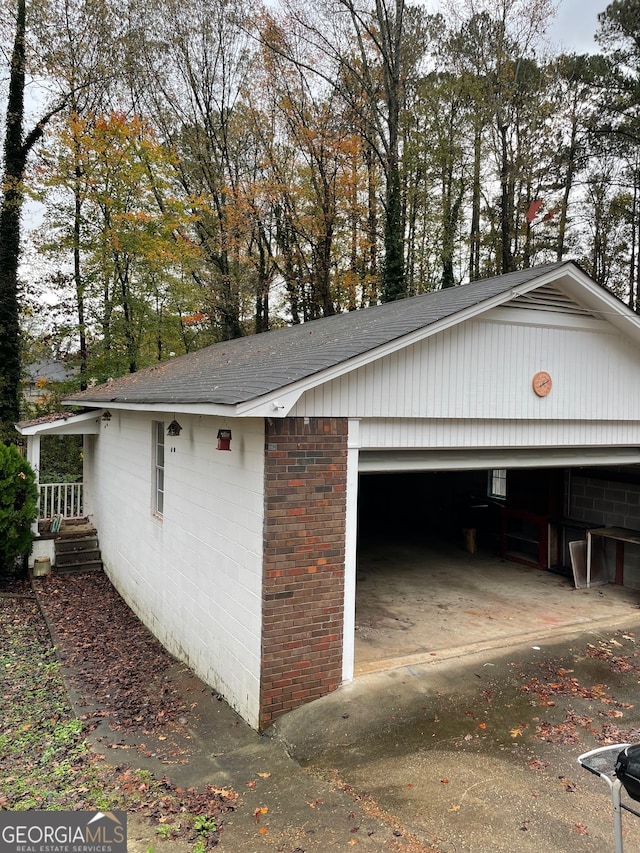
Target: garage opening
column 454, row 560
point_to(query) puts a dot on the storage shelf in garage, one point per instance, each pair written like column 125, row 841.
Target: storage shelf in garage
column 525, row 538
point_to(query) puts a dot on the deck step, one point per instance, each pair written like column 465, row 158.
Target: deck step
column 78, row 552
column 85, row 566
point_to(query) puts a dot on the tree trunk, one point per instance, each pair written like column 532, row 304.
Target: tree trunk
column 568, row 185
column 15, row 156
column 474, row 261
column 16, row 151
column 391, row 28
column 372, row 230
column 77, row 278
column 505, row 203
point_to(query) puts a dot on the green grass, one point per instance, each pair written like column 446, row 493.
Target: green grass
column 46, row 761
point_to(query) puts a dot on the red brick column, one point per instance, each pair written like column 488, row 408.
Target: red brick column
column 304, row 549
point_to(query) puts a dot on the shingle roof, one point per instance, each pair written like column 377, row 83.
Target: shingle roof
column 246, row 368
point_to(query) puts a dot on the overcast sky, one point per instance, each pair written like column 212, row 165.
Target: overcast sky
column 575, row 25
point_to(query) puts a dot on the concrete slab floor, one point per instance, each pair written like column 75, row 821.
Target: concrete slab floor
column 469, row 756
column 419, row 603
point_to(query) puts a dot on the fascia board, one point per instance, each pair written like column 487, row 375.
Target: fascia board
column 213, row 409
column 604, row 305
column 88, row 423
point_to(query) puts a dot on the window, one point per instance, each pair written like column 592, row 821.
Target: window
column 497, row 487
column 158, row 467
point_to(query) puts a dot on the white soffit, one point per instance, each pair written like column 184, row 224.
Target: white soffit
column 373, row 461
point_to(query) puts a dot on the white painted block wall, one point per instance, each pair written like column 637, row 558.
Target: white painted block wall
column 193, row 576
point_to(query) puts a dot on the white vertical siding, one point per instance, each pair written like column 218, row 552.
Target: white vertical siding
column 194, row 576
column 407, row 433
column 483, row 369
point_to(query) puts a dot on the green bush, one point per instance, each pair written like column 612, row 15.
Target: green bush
column 18, row 507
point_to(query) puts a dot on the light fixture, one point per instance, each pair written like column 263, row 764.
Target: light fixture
column 174, row 429
column 224, row 439
column 106, row 416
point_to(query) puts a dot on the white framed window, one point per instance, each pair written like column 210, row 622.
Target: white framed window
column 497, row 485
column 158, row 467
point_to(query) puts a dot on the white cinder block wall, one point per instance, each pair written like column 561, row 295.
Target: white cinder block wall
column 193, row 576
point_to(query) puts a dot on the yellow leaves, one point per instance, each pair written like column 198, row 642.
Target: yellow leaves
column 257, row 813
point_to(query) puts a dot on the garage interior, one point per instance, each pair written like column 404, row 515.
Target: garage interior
column 460, row 560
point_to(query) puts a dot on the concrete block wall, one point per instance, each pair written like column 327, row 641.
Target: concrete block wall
column 609, row 502
column 304, row 562
column 193, row 576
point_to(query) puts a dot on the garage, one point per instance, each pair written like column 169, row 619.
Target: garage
column 456, row 560
column 307, row 520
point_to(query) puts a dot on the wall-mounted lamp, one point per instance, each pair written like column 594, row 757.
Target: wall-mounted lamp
column 174, row 429
column 106, row 416
column 224, row 439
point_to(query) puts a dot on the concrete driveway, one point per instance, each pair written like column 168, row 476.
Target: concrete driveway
column 478, row 754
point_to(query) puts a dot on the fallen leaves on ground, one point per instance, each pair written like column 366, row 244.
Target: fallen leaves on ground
column 47, row 762
column 114, row 662
column 555, row 682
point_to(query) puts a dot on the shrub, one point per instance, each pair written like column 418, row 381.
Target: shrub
column 18, row 507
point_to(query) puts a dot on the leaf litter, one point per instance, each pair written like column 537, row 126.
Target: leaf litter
column 119, row 673
column 557, row 682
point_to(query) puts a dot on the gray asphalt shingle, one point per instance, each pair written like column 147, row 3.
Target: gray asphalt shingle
column 237, row 371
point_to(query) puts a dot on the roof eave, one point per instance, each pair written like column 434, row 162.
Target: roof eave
column 214, row 409
column 85, row 423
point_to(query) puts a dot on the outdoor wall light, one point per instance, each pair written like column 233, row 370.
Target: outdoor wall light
column 174, row 429
column 224, row 439
column 106, row 416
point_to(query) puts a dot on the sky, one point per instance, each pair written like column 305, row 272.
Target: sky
column 575, row 25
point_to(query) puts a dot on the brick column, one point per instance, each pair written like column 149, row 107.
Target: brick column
column 304, row 552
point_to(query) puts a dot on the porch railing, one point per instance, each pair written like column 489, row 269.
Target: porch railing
column 64, row 499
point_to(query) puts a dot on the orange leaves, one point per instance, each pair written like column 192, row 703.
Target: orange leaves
column 257, row 814
column 194, row 320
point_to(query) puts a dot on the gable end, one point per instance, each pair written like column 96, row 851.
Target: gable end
column 549, row 298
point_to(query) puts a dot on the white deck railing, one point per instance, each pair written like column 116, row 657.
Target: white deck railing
column 64, row 499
